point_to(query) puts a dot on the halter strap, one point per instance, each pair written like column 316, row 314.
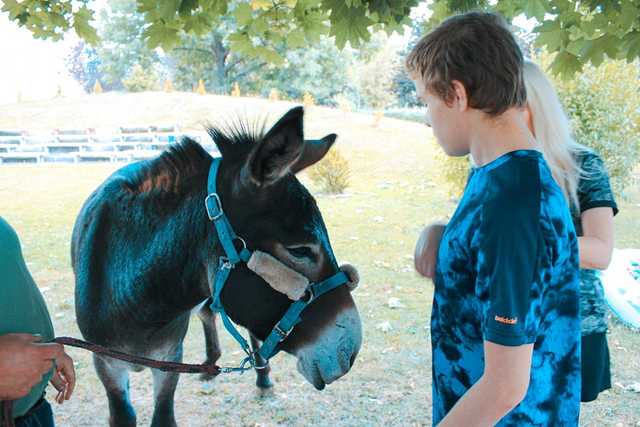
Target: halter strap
column 232, row 257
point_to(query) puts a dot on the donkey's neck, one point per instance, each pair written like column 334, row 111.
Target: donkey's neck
column 173, row 264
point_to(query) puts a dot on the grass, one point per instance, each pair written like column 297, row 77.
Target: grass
column 394, row 192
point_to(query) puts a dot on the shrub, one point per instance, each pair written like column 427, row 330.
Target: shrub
column 331, row 174
column 453, row 172
column 604, row 107
column 140, row 80
column 97, row 88
column 200, row 89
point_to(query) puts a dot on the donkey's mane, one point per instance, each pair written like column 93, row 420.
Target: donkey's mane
column 238, row 136
column 176, row 166
column 185, row 160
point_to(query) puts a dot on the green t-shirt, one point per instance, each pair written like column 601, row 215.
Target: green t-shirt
column 22, row 308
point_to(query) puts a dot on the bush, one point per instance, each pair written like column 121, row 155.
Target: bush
column 140, row 80
column 416, row 114
column 604, row 107
column 331, row 174
column 453, row 172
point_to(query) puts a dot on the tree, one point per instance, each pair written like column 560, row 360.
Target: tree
column 321, row 70
column 209, row 57
column 262, row 24
column 577, row 32
column 141, row 80
column 604, row 108
column 122, row 46
column 83, row 65
column 374, row 77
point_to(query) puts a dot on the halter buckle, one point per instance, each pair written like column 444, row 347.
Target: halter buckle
column 225, row 263
column 281, row 333
column 213, row 216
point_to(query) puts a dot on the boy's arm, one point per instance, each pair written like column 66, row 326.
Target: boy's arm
column 501, row 388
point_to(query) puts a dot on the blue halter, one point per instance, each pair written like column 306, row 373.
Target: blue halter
column 232, row 257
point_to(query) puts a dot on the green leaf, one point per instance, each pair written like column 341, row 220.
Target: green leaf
column 168, row 8
column 261, row 4
column 295, row 39
column 199, row 24
column 631, row 44
column 158, row 34
column 187, row 6
column 243, row 13
column 269, row 55
column 596, row 49
column 348, row 24
column 259, row 26
column 82, row 27
column 535, row 9
column 576, row 46
column 13, row 7
column 565, row 65
column 551, row 36
column 628, row 15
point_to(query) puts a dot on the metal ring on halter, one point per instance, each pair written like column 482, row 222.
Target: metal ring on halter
column 244, row 244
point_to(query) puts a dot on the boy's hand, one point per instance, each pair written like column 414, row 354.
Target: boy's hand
column 426, row 252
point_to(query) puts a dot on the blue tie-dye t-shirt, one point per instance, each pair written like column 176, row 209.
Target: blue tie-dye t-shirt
column 507, row 273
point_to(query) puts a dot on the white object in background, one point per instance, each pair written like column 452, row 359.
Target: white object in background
column 621, row 282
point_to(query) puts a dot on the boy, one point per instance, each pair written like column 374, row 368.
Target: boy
column 505, row 325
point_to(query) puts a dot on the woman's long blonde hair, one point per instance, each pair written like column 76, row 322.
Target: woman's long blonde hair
column 552, row 130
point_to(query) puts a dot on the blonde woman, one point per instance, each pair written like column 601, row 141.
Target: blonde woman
column 584, row 181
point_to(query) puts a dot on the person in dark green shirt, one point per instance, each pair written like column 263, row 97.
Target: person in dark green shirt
column 28, row 360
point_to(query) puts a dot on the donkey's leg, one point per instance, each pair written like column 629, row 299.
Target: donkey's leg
column 212, row 344
column 115, row 378
column 164, row 388
column 263, row 381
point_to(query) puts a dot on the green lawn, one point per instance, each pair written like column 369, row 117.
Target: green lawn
column 394, row 193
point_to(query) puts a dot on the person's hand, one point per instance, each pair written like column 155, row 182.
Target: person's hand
column 426, row 252
column 23, row 362
column 64, row 378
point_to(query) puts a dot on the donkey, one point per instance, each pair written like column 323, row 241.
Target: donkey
column 144, row 254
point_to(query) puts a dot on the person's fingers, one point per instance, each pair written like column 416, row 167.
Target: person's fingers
column 65, row 365
column 58, row 382
column 27, row 337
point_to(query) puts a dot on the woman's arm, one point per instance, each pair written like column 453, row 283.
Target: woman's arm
column 596, row 246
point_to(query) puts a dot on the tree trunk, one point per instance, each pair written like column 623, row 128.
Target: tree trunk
column 220, row 54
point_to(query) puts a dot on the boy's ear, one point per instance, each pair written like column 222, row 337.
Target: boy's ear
column 461, row 101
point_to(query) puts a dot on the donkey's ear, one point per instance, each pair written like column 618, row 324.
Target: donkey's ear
column 314, row 150
column 279, row 150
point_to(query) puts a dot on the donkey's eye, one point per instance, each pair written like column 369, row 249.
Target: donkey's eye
column 300, row 251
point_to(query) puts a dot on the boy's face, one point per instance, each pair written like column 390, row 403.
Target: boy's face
column 448, row 121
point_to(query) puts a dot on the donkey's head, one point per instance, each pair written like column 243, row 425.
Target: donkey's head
column 274, row 213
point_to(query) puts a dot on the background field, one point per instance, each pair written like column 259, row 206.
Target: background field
column 395, row 191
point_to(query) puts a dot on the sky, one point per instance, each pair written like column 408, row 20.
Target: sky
column 32, row 69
